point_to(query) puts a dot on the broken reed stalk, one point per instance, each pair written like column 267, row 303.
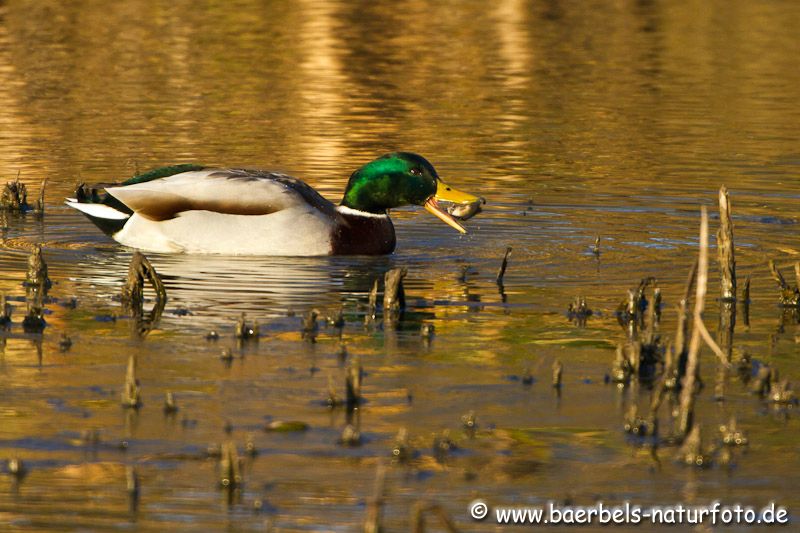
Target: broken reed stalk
column 719, row 383
column 683, row 322
column 699, row 333
column 133, row 290
column 38, row 209
column 37, row 284
column 776, row 275
column 37, row 269
column 310, row 326
column 652, row 319
column 727, row 323
column 727, row 285
column 558, row 370
column 667, row 377
column 132, row 484
column 372, row 306
column 372, row 523
column 5, row 311
column 691, row 448
column 16, row 468
column 14, row 197
column 746, row 301
column 355, row 375
column 131, row 395
column 630, row 311
column 230, row 475
column 333, row 400
column 394, row 298
column 746, row 291
column 725, row 328
column 725, row 249
column 170, row 407
column 790, row 296
column 244, row 331
column 34, row 321
column 693, row 359
column 503, row 266
column 797, row 274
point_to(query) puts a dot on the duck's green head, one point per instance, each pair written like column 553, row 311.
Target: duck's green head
column 398, row 179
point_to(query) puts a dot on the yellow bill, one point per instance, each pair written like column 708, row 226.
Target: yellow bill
column 448, row 194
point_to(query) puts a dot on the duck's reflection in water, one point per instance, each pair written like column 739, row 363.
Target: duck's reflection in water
column 214, row 286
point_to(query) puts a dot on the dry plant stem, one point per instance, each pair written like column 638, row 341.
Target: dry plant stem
column 790, row 296
column 727, row 284
column 37, row 283
column 394, row 299
column 37, row 269
column 34, row 318
column 797, row 273
column 373, row 296
column 727, row 262
column 558, row 370
column 5, row 310
column 133, row 291
column 746, row 301
column 14, row 197
column 727, row 324
column 776, row 275
column 691, row 446
column 40, row 202
column 725, row 329
column 131, row 395
column 353, row 379
column 693, row 360
column 131, row 479
column 746, row 291
column 230, row 474
column 651, row 323
column 719, row 383
column 375, row 505
column 710, row 342
column 373, row 304
column 680, row 334
column 503, row 266
column 661, row 386
column 133, row 295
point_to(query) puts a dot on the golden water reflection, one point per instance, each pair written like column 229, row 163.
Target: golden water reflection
column 574, row 119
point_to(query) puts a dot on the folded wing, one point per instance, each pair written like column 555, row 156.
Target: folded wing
column 228, row 191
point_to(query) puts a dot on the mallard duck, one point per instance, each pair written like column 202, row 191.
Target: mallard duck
column 193, row 209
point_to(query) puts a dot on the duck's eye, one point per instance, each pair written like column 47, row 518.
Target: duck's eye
column 416, row 172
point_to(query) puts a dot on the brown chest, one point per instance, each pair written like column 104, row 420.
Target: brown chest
column 362, row 235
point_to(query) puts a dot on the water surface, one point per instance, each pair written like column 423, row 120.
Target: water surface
column 573, row 119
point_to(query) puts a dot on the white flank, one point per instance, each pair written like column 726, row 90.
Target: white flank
column 98, row 210
column 295, row 231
